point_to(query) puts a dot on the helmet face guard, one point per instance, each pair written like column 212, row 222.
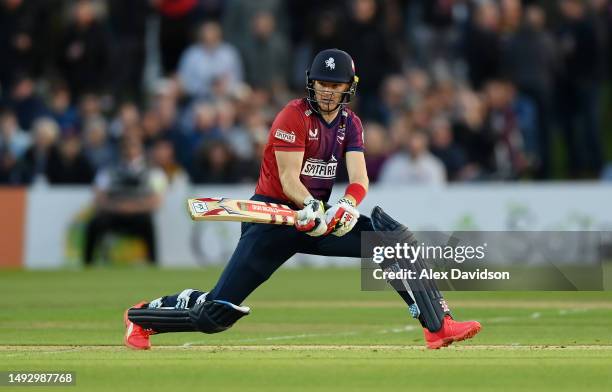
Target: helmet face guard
column 334, row 66
column 346, row 95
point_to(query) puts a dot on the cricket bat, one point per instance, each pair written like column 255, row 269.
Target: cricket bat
column 225, row 209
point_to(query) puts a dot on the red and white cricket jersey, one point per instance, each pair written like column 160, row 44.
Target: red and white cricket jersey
column 298, row 128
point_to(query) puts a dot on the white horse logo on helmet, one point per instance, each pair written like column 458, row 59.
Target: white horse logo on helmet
column 330, row 63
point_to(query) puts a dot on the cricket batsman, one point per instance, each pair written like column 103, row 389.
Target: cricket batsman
column 307, row 140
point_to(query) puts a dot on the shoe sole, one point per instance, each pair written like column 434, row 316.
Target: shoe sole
column 438, row 344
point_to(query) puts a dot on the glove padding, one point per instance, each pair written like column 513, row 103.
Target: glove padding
column 311, row 219
column 341, row 218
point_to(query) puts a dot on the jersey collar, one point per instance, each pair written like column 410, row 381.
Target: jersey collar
column 334, row 122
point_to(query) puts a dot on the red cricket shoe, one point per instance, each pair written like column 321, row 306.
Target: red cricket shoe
column 451, row 331
column 136, row 337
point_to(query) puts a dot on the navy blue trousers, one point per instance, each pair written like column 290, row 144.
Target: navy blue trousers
column 262, row 249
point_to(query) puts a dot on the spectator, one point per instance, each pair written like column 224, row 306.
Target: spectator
column 68, row 164
column 16, row 44
column 238, row 11
column 602, row 14
column 175, row 26
column 151, row 128
column 162, row 157
column 482, row 44
column 530, row 62
column 470, row 132
column 511, row 13
column 135, row 132
column 503, row 123
column 205, row 125
column 13, row 144
column 128, row 116
column 415, row 165
column 8, row 167
column 393, row 102
column 84, row 53
column 435, row 32
column 36, row 158
column 325, row 30
column 214, row 164
column 97, row 148
column 579, row 91
column 12, row 138
column 26, row 103
column 304, row 17
column 90, row 107
column 328, row 32
column 255, row 124
column 165, row 111
column 377, row 142
column 419, row 83
column 519, row 73
column 446, row 150
column 62, row 110
column 128, row 25
column 240, row 141
column 126, row 195
column 207, row 61
column 373, row 53
column 247, row 142
column 266, row 55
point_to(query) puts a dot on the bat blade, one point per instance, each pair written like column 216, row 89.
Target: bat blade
column 226, row 209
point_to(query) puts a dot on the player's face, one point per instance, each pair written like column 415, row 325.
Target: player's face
column 329, row 94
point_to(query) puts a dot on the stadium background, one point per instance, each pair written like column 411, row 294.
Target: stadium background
column 471, row 108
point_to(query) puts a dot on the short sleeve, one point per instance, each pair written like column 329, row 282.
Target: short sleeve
column 288, row 131
column 355, row 135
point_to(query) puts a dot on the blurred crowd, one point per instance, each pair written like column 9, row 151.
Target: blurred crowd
column 450, row 90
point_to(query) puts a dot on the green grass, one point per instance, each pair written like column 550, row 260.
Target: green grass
column 310, row 329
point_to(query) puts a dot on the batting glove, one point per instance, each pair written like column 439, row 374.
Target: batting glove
column 341, row 218
column 311, row 219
